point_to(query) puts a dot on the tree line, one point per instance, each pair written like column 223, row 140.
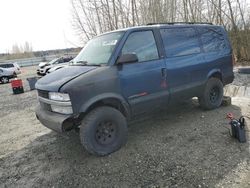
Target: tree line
column 92, row 17
column 17, row 51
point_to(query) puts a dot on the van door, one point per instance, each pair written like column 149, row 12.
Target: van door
column 183, row 60
column 143, row 83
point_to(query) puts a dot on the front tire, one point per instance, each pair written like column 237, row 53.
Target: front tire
column 212, row 95
column 103, row 131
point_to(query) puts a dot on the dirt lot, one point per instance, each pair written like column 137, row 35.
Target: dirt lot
column 180, row 147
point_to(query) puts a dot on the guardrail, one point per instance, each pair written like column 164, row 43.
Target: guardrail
column 34, row 60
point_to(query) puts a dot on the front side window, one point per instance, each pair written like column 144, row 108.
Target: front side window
column 142, row 44
column 180, row 41
column 60, row 61
column 10, row 65
column 99, row 50
column 53, row 61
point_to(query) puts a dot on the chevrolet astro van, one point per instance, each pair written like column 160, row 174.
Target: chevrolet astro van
column 126, row 72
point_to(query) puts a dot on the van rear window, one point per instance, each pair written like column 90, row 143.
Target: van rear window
column 212, row 39
column 180, row 41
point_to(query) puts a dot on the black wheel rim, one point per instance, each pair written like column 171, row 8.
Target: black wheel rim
column 214, row 94
column 105, row 132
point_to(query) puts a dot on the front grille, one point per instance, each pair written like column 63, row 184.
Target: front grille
column 44, row 94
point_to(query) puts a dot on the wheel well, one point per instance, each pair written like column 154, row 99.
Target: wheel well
column 216, row 75
column 112, row 102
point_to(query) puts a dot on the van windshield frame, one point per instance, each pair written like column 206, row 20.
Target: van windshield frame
column 98, row 51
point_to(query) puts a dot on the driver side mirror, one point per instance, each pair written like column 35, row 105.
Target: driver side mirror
column 127, row 58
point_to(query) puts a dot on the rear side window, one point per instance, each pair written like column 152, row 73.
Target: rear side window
column 180, row 41
column 142, row 44
column 212, row 39
column 3, row 65
column 10, row 65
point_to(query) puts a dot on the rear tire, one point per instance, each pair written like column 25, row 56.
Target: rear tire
column 212, row 95
column 103, row 131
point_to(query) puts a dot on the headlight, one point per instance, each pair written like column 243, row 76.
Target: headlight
column 62, row 109
column 59, row 96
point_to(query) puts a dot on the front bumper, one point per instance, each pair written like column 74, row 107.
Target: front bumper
column 41, row 72
column 57, row 122
column 17, row 71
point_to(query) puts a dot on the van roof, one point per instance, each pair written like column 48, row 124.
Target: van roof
column 167, row 25
column 176, row 23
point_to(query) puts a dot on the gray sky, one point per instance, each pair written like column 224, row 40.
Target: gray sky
column 46, row 24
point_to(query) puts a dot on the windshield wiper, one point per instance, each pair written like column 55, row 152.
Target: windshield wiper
column 82, row 62
column 85, row 63
column 79, row 63
column 98, row 65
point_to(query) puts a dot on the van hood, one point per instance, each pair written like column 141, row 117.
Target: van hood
column 54, row 80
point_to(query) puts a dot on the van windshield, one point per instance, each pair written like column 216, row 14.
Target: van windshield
column 98, row 50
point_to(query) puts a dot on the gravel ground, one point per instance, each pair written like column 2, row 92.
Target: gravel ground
column 241, row 79
column 180, row 147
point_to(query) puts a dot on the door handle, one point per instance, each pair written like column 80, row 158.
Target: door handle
column 164, row 72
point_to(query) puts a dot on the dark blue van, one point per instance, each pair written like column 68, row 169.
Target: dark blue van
column 130, row 71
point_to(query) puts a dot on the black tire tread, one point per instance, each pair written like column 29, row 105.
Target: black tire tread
column 89, row 117
column 87, row 122
column 204, row 103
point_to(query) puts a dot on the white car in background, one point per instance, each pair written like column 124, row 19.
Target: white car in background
column 13, row 67
column 44, row 68
column 42, row 64
column 6, row 75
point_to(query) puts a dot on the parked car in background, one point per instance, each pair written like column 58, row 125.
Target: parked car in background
column 42, row 64
column 44, row 67
column 14, row 67
column 6, row 74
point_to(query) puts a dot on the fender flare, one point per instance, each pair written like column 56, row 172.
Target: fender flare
column 103, row 96
column 214, row 71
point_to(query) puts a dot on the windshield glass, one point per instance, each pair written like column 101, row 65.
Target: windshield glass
column 98, row 50
column 53, row 61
